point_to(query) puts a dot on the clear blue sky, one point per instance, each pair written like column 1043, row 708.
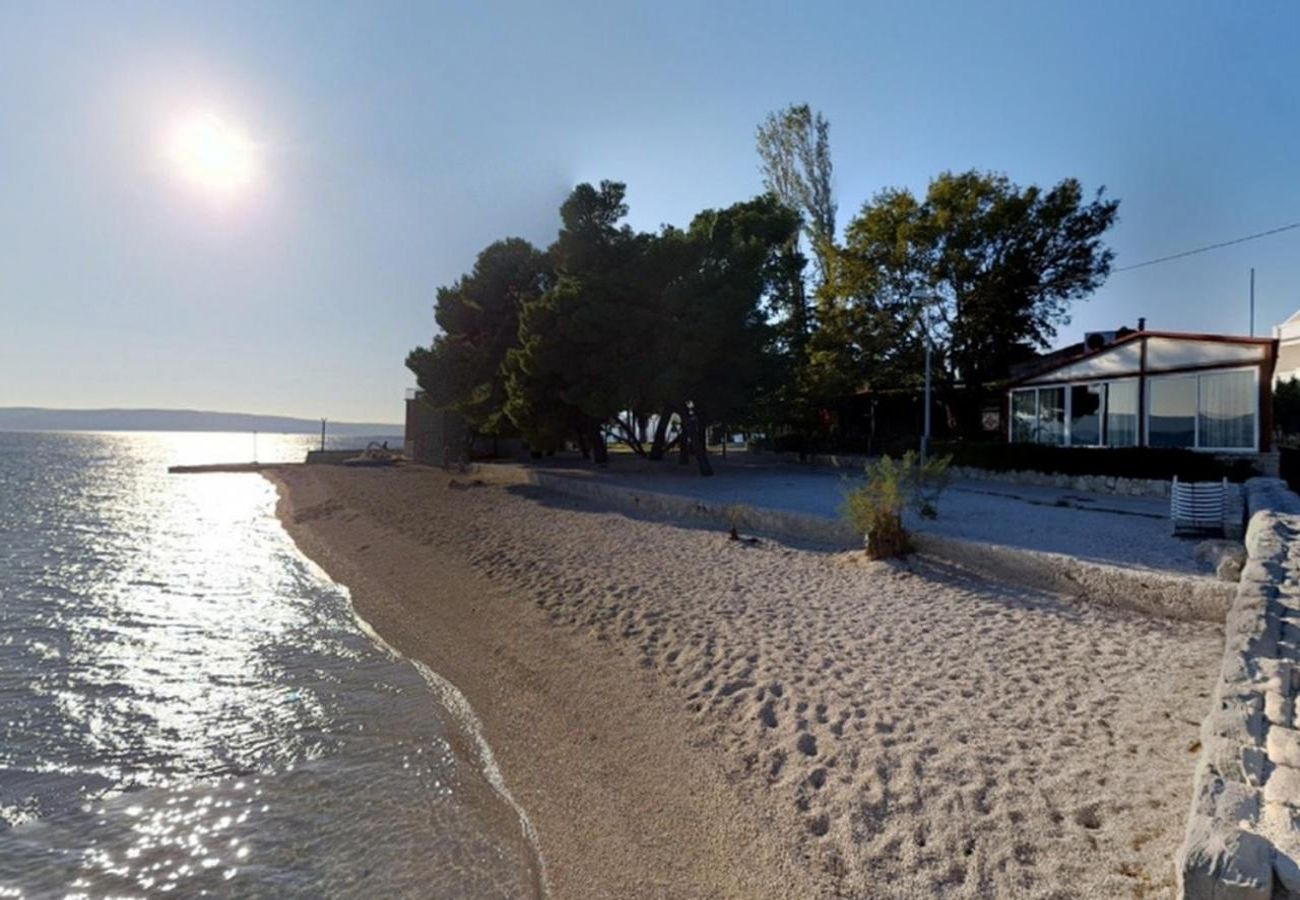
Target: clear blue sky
column 394, row 141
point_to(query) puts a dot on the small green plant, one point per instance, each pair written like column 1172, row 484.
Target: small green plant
column 875, row 509
column 733, row 519
column 929, row 481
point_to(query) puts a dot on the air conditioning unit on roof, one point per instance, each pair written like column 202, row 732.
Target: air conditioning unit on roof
column 1095, row 340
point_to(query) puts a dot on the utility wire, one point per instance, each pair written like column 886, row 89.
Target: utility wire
column 1240, row 240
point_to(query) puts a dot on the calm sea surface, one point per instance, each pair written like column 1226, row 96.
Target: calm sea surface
column 189, row 707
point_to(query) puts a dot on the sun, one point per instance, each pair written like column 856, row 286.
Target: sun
column 212, row 153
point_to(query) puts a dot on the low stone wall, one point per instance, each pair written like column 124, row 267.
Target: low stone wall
column 1156, row 593
column 748, row 518
column 1095, row 484
column 1243, row 831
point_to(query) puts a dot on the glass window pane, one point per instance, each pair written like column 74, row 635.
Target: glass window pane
column 1085, row 414
column 1122, row 413
column 1227, row 410
column 1024, row 415
column 1172, row 404
column 1051, row 415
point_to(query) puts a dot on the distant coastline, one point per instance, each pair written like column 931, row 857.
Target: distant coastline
column 34, row 418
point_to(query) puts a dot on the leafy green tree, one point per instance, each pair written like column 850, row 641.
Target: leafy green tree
column 1008, row 262
column 868, row 335
column 1001, row 263
column 547, row 376
column 479, row 319
column 576, row 356
column 719, row 355
column 670, row 326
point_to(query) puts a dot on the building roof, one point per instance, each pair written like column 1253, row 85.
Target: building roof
column 1079, row 352
column 1059, row 357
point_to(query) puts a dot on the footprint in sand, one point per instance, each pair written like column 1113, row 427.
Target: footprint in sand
column 1088, row 816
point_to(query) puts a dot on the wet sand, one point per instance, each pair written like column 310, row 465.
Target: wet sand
column 685, row 716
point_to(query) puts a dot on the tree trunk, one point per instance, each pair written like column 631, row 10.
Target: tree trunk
column 701, row 445
column 871, row 431
column 627, row 431
column 599, row 449
column 660, row 443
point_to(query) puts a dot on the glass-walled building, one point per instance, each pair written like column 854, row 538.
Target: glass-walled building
column 1151, row 389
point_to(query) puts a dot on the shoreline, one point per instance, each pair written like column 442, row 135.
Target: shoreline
column 622, row 805
column 468, row 729
column 681, row 716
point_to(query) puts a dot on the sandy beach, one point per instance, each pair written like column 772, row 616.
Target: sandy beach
column 685, row 716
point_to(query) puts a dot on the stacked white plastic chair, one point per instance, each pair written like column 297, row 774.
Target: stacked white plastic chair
column 1198, row 507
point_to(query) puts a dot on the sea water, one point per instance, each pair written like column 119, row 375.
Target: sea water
column 190, row 707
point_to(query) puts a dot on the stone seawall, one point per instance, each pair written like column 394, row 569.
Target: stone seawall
column 1243, row 830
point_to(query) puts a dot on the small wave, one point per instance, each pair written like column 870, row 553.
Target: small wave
column 458, row 706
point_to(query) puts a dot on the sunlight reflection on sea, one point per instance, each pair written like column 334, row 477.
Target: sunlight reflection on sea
column 188, row 705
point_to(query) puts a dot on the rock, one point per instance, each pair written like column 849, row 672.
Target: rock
column 1212, row 556
column 1280, row 825
column 1225, row 800
column 1277, row 708
column 1254, row 765
column 1243, row 765
column 1239, row 718
column 1283, row 745
column 1283, row 786
column 1229, row 569
column 1286, row 868
column 1219, row 861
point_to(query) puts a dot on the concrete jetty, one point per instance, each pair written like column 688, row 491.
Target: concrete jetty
column 222, row 467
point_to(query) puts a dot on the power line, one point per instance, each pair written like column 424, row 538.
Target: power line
column 1240, row 240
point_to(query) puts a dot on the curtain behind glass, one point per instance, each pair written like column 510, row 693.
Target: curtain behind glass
column 1086, row 401
column 1122, row 413
column 1024, row 415
column 1051, row 415
column 1227, row 410
column 1171, row 420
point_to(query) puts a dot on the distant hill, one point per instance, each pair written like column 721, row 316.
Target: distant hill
column 31, row 418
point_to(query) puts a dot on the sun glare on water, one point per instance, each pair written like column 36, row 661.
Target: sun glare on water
column 212, row 153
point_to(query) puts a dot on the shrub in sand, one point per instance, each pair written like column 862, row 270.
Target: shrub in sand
column 929, row 480
column 875, row 509
column 734, row 513
column 733, row 519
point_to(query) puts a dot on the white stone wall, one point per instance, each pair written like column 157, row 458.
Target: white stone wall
column 1095, row 484
column 1243, row 831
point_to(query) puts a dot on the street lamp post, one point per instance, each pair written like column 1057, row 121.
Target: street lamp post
column 926, row 297
column 925, row 436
